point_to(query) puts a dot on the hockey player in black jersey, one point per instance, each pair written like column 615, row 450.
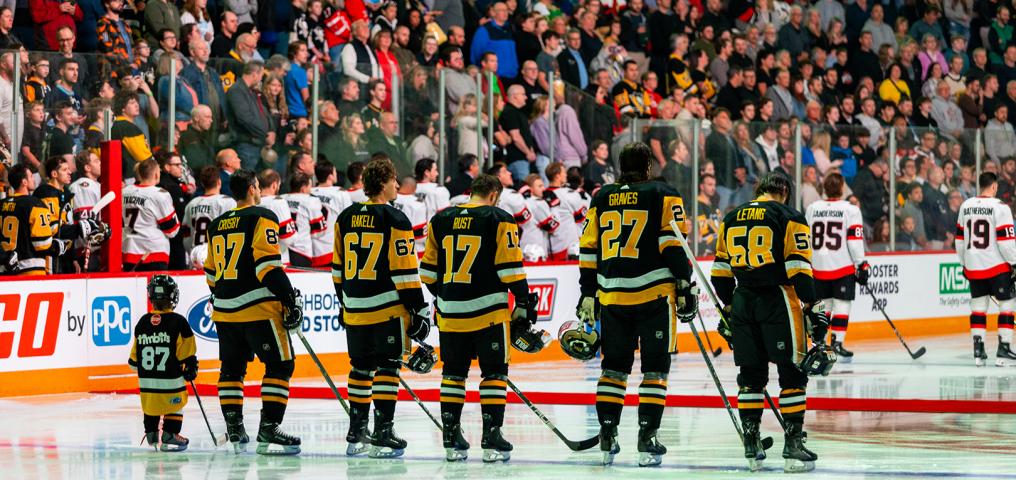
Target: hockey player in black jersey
column 763, row 277
column 635, row 278
column 165, row 356
column 26, row 234
column 376, row 277
column 254, row 306
column 472, row 260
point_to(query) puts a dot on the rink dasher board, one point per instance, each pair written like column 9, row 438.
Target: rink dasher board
column 53, row 323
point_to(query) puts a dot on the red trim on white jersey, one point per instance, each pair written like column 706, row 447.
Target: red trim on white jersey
column 834, row 274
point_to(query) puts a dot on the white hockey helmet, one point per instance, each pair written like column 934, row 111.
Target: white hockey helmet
column 198, row 255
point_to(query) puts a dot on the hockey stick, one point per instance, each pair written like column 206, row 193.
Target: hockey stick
column 95, row 210
column 776, row 411
column 914, row 355
column 716, row 351
column 420, row 403
column 766, row 442
column 218, row 441
column 573, row 445
column 321, row 367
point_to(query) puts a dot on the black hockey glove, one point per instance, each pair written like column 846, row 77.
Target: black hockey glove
column 723, row 328
column 190, row 369
column 818, row 321
column 292, row 310
column 419, row 324
column 862, row 273
column 687, row 301
column 525, row 308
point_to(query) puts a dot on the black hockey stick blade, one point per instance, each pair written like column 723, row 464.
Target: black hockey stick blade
column 920, row 352
column 717, row 352
column 767, row 443
column 584, row 444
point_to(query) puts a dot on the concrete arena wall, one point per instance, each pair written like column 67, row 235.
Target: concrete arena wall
column 72, row 333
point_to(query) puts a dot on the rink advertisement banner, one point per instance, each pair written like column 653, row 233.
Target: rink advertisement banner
column 88, row 322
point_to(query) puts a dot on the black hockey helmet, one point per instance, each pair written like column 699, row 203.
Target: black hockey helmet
column 163, row 292
column 527, row 339
column 818, row 361
column 423, row 359
column 577, row 342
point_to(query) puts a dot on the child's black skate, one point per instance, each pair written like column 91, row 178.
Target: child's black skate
column 173, row 442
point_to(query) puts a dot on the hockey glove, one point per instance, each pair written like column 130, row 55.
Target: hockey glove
column 818, row 321
column 190, row 369
column 8, row 261
column 862, row 273
column 586, row 311
column 525, row 308
column 59, row 247
column 292, row 311
column 723, row 328
column 419, row 324
column 687, row 301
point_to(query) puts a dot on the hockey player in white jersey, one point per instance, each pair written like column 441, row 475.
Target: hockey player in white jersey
column 309, row 222
column 149, row 221
column 570, row 214
column 535, row 237
column 837, row 259
column 435, row 197
column 414, row 209
column 986, row 246
column 270, row 183
column 201, row 210
column 354, row 175
column 333, row 201
column 86, row 188
column 516, row 205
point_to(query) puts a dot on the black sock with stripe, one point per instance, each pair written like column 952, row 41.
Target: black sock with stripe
column 453, row 397
column 385, row 391
column 793, row 404
column 274, row 398
column 750, row 403
column 172, row 423
column 610, row 391
column 652, row 399
column 493, row 392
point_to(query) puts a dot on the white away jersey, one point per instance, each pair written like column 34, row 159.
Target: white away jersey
column 86, row 193
column 458, row 200
column 198, row 215
column 565, row 237
column 575, row 200
column 434, row 197
column 837, row 238
column 985, row 241
column 515, row 204
column 416, row 211
column 333, row 201
column 357, row 196
column 309, row 223
column 149, row 221
column 280, row 207
column 536, row 232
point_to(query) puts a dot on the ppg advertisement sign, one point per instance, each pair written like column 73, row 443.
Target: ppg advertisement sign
column 199, row 316
column 111, row 321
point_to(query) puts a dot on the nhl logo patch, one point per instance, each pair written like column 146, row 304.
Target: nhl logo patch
column 495, row 346
column 659, row 334
column 391, row 340
column 266, row 347
column 156, row 320
column 780, row 346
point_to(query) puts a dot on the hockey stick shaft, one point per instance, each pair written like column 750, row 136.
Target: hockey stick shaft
column 776, row 411
column 321, row 367
column 420, row 403
column 204, row 415
column 899, row 335
column 715, row 351
column 576, row 446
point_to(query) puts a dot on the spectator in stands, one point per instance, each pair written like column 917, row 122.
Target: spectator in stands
column 999, row 137
column 58, row 141
column 7, row 37
column 424, row 143
column 428, row 55
column 168, row 42
column 161, row 15
column 66, row 87
column 358, row 59
column 385, row 139
column 115, row 38
column 298, row 80
column 946, row 113
column 248, row 119
column 571, row 148
column 349, row 100
column 205, row 80
column 468, row 129
column 496, row 36
column 404, row 57
column 228, row 23
column 7, row 105
column 186, row 97
column 522, row 155
column 171, row 180
column 50, row 16
column 469, row 168
column 935, row 207
column 572, row 64
column 196, row 142
column 228, row 163
column 721, row 149
column 779, row 93
column 30, row 152
column 371, row 113
column 308, row 27
column 196, row 12
column 135, row 147
column 599, row 171
column 458, row 83
column 353, row 146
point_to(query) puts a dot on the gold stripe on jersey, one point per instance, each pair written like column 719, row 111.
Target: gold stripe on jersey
column 637, row 298
column 508, row 256
column 267, row 255
column 589, row 241
column 373, row 316
column 797, row 249
column 40, row 229
column 260, row 311
column 338, row 255
column 673, row 210
column 428, row 265
column 721, row 263
column 186, row 347
column 472, row 324
column 402, row 261
column 795, row 315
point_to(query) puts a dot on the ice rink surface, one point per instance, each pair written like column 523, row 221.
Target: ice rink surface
column 84, row 436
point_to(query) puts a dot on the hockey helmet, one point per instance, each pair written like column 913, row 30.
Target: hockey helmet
column 163, row 292
column 423, row 359
column 198, row 255
column 818, row 361
column 577, row 342
column 534, row 253
column 527, row 339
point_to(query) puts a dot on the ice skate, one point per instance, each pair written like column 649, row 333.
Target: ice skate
column 236, row 433
column 1005, row 357
column 980, row 356
column 797, row 457
column 845, row 356
column 273, row 441
column 384, row 443
column 358, row 437
column 152, row 438
column 608, row 443
column 455, row 445
column 753, row 449
column 173, row 442
column 495, row 447
column 651, row 451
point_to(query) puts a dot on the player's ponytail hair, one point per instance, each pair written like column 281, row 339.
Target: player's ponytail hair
column 832, row 186
column 378, row 172
column 634, row 159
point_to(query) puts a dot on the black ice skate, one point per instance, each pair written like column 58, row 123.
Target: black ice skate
column 608, row 442
column 753, row 449
column 173, row 442
column 273, row 441
column 152, row 438
column 980, row 356
column 495, row 447
column 236, row 433
column 358, row 436
column 384, row 443
column 797, row 457
column 651, row 451
column 455, row 445
column 846, row 356
column 1005, row 357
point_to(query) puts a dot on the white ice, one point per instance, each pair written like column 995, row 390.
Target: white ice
column 85, row 436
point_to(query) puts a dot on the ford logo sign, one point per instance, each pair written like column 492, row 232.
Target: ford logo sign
column 199, row 316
